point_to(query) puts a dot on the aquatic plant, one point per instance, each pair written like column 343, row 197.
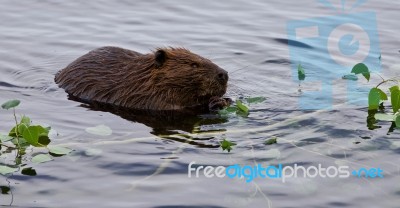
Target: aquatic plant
column 377, row 98
column 22, row 136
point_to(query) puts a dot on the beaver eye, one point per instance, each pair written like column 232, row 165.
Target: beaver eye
column 195, row 65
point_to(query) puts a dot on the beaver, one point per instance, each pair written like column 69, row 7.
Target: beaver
column 166, row 79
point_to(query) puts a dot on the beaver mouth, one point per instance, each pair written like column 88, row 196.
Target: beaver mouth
column 214, row 90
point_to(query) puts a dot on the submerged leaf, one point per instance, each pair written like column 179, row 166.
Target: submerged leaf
column 255, row 99
column 350, row 77
column 28, row 171
column 270, row 141
column 10, row 104
column 301, row 73
column 101, row 130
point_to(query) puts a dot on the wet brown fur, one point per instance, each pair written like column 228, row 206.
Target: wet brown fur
column 166, row 79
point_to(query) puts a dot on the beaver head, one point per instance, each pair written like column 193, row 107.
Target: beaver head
column 185, row 79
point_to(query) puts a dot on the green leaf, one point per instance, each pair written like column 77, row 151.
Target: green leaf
column 255, row 99
column 228, row 110
column 271, row 141
column 10, row 104
column 241, row 106
column 101, row 130
column 36, row 136
column 5, row 190
column 41, row 158
column 395, row 98
column 43, row 140
column 373, row 99
column 382, row 94
column 227, row 145
column 59, row 150
column 361, row 68
column 4, row 170
column 21, row 129
column 384, row 117
column 397, row 121
column 350, row 77
column 5, row 138
column 31, row 135
column 301, row 73
column 28, row 171
column 25, row 120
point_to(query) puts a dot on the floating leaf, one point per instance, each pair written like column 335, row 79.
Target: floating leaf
column 4, row 170
column 28, row 171
column 350, row 77
column 227, row 145
column 256, row 99
column 395, row 98
column 241, row 106
column 101, row 130
column 5, row 138
column 301, row 73
column 361, row 68
column 10, row 104
column 373, row 99
column 271, row 141
column 59, row 150
column 384, row 117
column 41, row 158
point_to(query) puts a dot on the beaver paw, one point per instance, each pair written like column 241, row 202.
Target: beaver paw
column 218, row 103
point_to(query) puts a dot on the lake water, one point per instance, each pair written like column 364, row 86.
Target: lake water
column 138, row 167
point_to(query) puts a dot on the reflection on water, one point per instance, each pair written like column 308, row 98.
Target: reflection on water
column 174, row 125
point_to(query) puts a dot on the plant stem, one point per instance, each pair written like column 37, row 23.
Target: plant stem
column 384, row 81
column 16, row 132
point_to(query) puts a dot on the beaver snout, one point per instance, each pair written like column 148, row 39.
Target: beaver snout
column 223, row 76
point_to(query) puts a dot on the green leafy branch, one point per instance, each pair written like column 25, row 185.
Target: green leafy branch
column 377, row 96
column 23, row 135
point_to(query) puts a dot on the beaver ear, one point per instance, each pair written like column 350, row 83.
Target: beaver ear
column 160, row 57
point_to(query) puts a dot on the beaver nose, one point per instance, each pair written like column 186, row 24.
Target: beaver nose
column 223, row 76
